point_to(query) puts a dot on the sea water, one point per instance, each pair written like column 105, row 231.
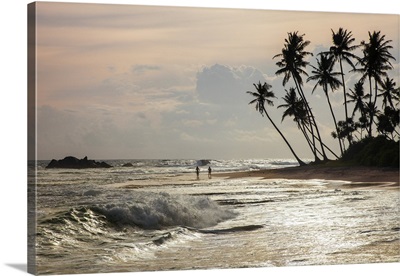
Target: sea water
column 158, row 215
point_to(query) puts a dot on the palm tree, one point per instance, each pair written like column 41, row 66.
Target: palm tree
column 358, row 96
column 345, row 130
column 295, row 107
column 388, row 93
column 341, row 51
column 375, row 63
column 371, row 111
column 293, row 55
column 396, row 93
column 388, row 121
column 326, row 78
column 362, row 124
column 292, row 65
column 263, row 96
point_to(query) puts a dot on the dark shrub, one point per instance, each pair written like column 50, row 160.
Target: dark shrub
column 373, row 151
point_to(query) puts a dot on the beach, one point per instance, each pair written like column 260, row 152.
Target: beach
column 158, row 215
column 358, row 175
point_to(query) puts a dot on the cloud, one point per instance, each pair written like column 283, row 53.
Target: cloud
column 123, row 118
column 141, row 68
column 123, row 134
column 222, row 84
column 195, row 139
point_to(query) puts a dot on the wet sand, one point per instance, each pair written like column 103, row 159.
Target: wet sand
column 362, row 177
column 341, row 176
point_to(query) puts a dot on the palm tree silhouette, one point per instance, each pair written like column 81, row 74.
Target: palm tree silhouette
column 388, row 121
column 292, row 65
column 388, row 92
column 375, row 63
column 341, row 51
column 263, row 96
column 357, row 96
column 326, row 78
column 295, row 107
column 293, row 55
column 371, row 111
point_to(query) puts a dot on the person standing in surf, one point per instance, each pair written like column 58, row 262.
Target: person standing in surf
column 197, row 172
column 209, row 172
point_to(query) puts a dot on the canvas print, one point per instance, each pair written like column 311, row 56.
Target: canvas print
column 173, row 138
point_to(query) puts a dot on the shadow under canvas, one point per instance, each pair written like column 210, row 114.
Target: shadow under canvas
column 20, row 267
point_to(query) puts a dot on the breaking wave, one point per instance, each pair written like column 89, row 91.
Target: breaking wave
column 165, row 210
column 151, row 211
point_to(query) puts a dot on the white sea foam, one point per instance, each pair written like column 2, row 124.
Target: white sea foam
column 157, row 211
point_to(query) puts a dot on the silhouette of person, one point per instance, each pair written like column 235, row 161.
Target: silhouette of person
column 197, row 172
column 209, row 172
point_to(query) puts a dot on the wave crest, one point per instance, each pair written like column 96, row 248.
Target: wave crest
column 165, row 210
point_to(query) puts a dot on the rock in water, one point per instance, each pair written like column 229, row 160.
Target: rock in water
column 71, row 162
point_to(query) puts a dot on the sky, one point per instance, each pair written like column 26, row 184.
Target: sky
column 133, row 81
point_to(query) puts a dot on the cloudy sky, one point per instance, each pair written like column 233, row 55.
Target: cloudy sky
column 129, row 81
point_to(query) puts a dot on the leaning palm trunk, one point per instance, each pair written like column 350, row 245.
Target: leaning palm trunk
column 311, row 129
column 370, row 114
column 311, row 119
column 374, row 104
column 309, row 142
column 301, row 163
column 323, row 144
column 345, row 103
column 334, row 120
column 344, row 89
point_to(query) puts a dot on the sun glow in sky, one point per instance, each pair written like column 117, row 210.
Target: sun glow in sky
column 129, row 81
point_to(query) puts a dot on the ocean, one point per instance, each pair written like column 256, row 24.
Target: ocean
column 158, row 215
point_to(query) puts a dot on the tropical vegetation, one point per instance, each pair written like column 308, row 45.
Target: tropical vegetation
column 368, row 131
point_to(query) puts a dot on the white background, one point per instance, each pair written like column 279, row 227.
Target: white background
column 13, row 131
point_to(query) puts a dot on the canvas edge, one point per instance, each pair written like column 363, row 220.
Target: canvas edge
column 31, row 127
column 31, row 139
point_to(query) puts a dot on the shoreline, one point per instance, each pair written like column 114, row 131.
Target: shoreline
column 357, row 175
column 336, row 176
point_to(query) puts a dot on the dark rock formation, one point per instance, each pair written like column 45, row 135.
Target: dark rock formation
column 71, row 162
column 127, row 165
